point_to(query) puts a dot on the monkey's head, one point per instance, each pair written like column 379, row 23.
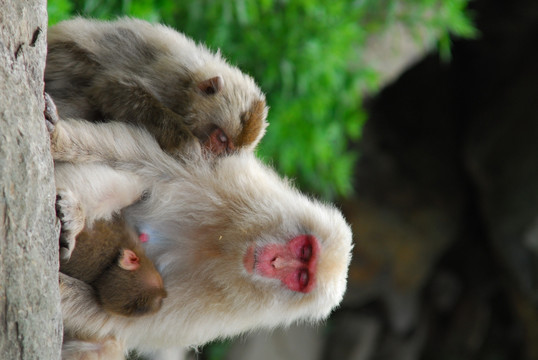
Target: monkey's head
column 226, row 110
column 131, row 286
column 233, row 107
column 242, row 249
column 223, row 107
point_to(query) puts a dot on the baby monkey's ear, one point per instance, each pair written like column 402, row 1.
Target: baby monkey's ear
column 128, row 260
column 211, row 86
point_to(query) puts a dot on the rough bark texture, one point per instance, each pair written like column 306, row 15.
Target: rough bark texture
column 30, row 317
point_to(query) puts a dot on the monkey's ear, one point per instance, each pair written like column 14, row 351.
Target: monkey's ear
column 129, row 260
column 211, row 86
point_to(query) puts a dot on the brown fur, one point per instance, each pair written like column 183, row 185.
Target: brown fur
column 131, row 71
column 95, row 261
column 253, row 123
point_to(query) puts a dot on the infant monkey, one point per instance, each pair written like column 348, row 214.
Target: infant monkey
column 109, row 257
column 132, row 71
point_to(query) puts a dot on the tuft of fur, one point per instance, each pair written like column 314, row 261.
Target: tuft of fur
column 201, row 216
column 132, row 71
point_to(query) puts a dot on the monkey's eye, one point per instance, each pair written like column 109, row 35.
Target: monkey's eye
column 304, row 278
column 218, row 142
column 306, row 252
column 222, row 136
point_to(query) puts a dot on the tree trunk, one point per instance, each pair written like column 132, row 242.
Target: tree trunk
column 30, row 316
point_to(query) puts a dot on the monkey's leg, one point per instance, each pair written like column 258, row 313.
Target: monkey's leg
column 79, row 141
column 83, row 316
column 72, row 140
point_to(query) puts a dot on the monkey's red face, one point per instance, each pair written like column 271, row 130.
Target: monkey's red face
column 293, row 263
column 218, row 142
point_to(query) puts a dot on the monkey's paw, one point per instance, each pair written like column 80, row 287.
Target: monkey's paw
column 72, row 220
column 51, row 113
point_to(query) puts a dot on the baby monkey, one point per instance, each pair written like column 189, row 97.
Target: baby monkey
column 109, row 257
column 132, row 71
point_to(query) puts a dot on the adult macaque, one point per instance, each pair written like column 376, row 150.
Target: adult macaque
column 109, row 257
column 132, row 71
column 238, row 247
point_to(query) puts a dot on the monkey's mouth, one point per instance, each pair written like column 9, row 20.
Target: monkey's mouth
column 293, row 263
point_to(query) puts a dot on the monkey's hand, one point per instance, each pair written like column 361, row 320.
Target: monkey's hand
column 51, row 114
column 52, row 121
column 72, row 219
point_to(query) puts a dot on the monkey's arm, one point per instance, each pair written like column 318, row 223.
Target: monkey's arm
column 99, row 189
column 87, row 192
column 79, row 141
column 126, row 100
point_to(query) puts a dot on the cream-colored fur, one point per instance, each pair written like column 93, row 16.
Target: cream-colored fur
column 109, row 349
column 201, row 215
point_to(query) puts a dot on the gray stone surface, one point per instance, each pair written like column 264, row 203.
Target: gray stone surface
column 30, row 318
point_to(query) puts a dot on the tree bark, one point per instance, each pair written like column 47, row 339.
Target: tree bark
column 30, row 316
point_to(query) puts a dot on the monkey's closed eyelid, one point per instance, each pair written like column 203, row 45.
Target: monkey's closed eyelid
column 145, row 195
column 306, row 252
column 222, row 136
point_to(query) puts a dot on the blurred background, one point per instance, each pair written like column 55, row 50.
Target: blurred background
column 420, row 119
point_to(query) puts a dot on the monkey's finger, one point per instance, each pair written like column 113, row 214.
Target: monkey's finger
column 50, row 112
column 65, row 253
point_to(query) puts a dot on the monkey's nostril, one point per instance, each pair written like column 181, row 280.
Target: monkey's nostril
column 304, row 278
column 278, row 262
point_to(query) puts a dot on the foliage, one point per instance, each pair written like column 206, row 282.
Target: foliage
column 305, row 55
